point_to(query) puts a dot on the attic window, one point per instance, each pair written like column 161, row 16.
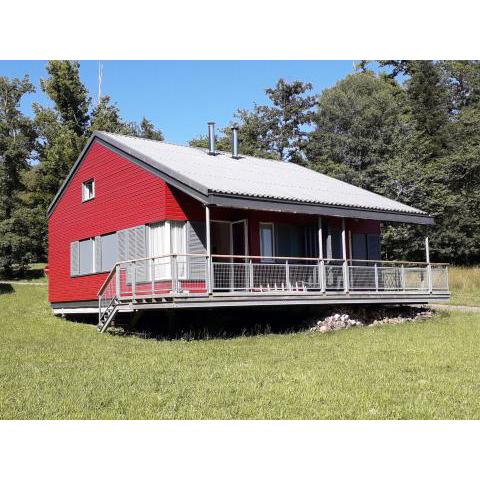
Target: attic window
column 88, row 190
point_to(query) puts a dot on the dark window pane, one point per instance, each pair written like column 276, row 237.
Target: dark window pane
column 373, row 247
column 290, row 241
column 359, row 246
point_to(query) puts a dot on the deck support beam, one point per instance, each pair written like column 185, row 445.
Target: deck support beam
column 209, row 248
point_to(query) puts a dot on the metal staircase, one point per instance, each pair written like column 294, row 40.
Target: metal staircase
column 106, row 317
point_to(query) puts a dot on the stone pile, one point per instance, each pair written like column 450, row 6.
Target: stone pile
column 336, row 322
column 369, row 317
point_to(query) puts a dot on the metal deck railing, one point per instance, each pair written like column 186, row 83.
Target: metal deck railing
column 199, row 275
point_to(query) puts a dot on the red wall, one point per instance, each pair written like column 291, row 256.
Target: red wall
column 126, row 195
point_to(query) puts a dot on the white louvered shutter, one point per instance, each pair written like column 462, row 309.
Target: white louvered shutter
column 138, row 249
column 196, row 244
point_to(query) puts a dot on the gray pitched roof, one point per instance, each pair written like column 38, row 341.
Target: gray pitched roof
column 221, row 176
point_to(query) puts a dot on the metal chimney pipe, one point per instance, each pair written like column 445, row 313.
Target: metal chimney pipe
column 234, row 141
column 211, row 138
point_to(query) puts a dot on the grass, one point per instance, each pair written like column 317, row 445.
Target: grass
column 465, row 285
column 56, row 369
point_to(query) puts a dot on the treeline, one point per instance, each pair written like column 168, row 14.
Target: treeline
column 37, row 153
column 409, row 130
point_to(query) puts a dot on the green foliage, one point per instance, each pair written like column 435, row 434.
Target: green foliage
column 416, row 142
column 147, row 130
column 106, row 117
column 64, row 87
column 16, row 142
column 359, row 123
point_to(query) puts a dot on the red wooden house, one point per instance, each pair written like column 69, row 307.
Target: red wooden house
column 141, row 224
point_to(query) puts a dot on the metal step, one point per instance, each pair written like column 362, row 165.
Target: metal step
column 107, row 317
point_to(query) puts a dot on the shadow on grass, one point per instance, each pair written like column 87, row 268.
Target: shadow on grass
column 34, row 273
column 6, row 288
column 235, row 322
column 217, row 323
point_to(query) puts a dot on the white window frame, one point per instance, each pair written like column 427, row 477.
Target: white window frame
column 166, row 273
column 266, row 259
column 86, row 196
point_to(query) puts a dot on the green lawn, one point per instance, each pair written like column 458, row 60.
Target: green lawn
column 53, row 368
column 465, row 285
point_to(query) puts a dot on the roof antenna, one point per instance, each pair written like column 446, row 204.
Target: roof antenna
column 100, row 77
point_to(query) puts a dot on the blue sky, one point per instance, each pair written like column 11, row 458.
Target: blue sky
column 180, row 97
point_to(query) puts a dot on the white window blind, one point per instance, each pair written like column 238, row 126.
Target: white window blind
column 167, row 238
column 266, row 241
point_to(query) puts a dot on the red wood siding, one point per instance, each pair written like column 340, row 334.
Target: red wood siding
column 126, row 195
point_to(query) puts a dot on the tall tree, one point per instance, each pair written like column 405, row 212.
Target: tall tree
column 69, row 94
column 62, row 129
column 360, row 123
column 147, row 130
column 281, row 126
column 16, row 142
column 106, row 117
column 427, row 91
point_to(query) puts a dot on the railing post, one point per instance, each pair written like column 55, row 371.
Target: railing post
column 324, row 275
column 173, row 266
column 344, row 255
column 376, row 278
column 209, row 250
column 429, row 278
column 117, row 281
column 134, row 280
column 320, row 275
column 251, row 275
column 232, row 274
column 402, row 276
column 207, row 275
column 287, row 276
column 429, row 266
column 152, row 276
column 345, row 276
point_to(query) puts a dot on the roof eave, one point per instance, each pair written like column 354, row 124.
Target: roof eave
column 268, row 204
